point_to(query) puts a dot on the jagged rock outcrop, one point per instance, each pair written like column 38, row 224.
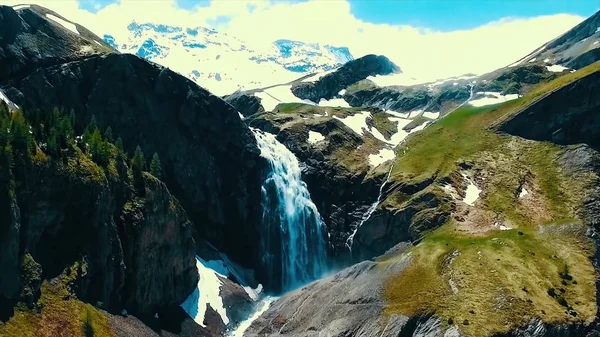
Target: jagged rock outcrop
column 563, row 117
column 407, row 221
column 138, row 249
column 29, row 39
column 210, row 159
column 328, row 86
column 246, row 104
column 156, row 233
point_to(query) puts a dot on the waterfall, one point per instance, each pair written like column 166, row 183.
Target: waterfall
column 373, row 207
column 370, row 211
column 293, row 244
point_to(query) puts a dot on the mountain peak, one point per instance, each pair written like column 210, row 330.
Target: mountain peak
column 215, row 59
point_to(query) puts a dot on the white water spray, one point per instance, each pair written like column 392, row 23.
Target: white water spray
column 293, row 243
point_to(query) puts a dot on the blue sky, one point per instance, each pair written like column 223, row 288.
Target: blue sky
column 448, row 15
column 444, row 15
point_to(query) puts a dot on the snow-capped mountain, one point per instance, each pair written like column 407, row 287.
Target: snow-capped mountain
column 223, row 63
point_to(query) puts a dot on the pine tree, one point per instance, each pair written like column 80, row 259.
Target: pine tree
column 138, row 164
column 155, row 167
column 108, row 135
column 85, row 140
column 99, row 148
column 93, row 125
column 23, row 141
column 119, row 145
column 52, row 145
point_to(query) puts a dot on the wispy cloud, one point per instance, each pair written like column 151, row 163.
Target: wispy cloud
column 420, row 51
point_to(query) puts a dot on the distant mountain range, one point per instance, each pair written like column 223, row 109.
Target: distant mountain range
column 223, row 63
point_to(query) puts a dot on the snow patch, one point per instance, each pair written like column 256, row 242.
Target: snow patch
column 244, row 325
column 523, row 192
column 596, row 42
column 532, row 60
column 315, row 137
column 63, row 23
column 431, row 115
column 491, row 97
column 381, row 157
column 557, row 68
column 415, row 113
column 334, row 102
column 546, row 60
column 472, row 192
column 241, row 116
column 98, row 43
column 598, row 29
column 501, row 227
column 342, row 92
column 356, row 122
column 11, row 105
column 451, row 191
column 207, row 293
column 21, row 7
column 397, row 114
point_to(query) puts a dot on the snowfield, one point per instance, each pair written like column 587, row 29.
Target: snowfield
column 490, row 97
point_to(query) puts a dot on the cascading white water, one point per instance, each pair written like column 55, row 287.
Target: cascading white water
column 293, row 239
column 370, row 211
column 373, row 207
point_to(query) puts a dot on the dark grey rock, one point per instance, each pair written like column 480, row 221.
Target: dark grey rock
column 328, row 86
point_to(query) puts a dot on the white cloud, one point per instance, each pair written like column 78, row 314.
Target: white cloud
column 419, row 52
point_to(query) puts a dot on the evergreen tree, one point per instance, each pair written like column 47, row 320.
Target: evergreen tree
column 93, row 125
column 85, row 140
column 119, row 145
column 22, row 139
column 52, row 145
column 108, row 135
column 138, row 164
column 155, row 167
column 99, row 148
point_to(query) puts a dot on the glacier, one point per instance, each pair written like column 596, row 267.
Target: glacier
column 223, row 63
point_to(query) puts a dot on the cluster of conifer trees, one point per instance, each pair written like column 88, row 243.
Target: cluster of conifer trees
column 55, row 134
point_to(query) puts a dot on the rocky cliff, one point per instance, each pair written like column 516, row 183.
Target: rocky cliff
column 84, row 228
column 328, row 86
column 570, row 115
column 210, row 159
column 31, row 37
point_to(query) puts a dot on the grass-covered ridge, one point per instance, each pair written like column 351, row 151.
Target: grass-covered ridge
column 469, row 272
column 58, row 312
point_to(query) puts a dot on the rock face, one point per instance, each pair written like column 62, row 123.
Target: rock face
column 391, row 224
column 244, row 103
column 329, row 85
column 156, row 232
column 349, row 303
column 562, row 118
column 209, row 157
column 29, row 39
column 576, row 47
column 135, row 250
